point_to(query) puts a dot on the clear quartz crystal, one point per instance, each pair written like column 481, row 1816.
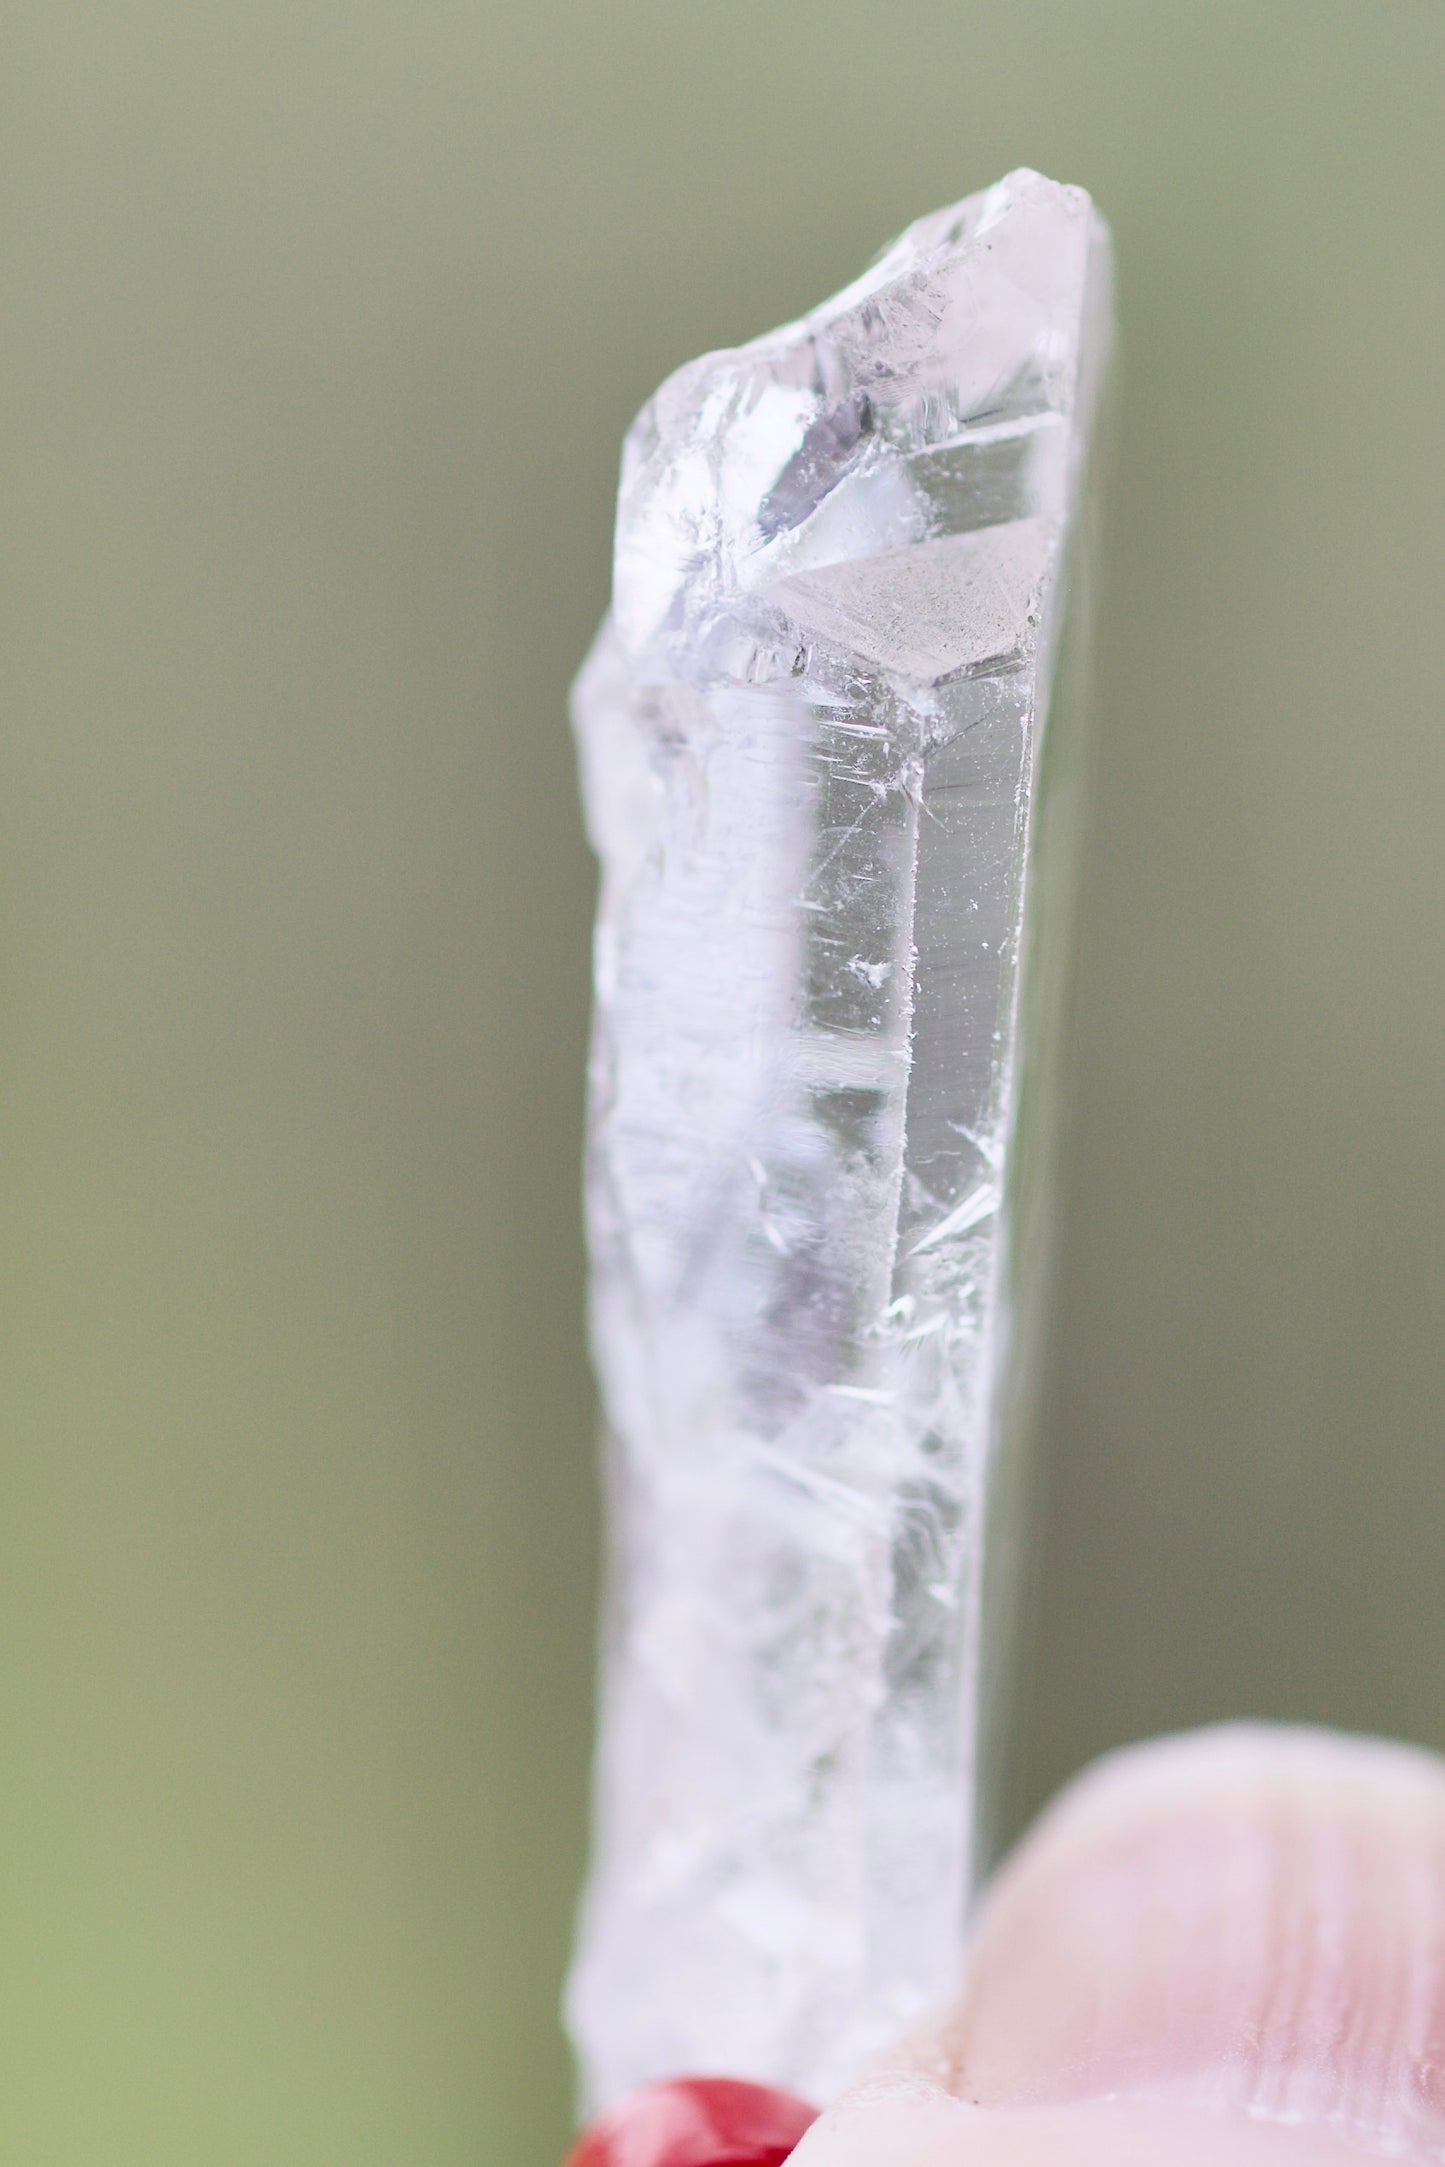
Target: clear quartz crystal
column 810, row 735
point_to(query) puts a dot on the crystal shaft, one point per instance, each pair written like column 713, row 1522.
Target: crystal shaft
column 812, row 734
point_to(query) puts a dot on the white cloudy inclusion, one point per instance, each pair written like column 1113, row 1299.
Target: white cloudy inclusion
column 810, row 733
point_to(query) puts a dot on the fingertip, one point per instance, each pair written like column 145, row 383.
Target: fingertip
column 883, row 2127
column 1247, row 1920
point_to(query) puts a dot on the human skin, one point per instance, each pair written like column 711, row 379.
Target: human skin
column 1228, row 1947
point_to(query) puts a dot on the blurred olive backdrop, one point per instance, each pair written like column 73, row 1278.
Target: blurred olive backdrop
column 323, row 322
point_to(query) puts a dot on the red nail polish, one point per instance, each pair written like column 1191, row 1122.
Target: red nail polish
column 696, row 2122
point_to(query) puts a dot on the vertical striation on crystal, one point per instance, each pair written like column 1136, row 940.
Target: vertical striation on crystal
column 810, row 735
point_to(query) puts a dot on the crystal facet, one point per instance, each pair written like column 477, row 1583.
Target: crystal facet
column 810, row 733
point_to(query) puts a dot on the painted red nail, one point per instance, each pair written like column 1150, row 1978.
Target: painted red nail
column 696, row 2122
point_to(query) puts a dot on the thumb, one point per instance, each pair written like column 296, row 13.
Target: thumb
column 1222, row 1948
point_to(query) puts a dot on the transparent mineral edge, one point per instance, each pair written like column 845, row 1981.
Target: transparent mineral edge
column 810, row 735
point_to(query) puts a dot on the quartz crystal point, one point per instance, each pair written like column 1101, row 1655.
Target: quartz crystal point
column 810, row 735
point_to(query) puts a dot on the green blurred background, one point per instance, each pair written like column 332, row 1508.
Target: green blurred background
column 324, row 320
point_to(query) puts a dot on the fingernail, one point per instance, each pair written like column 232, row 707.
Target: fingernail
column 1247, row 1919
column 696, row 2122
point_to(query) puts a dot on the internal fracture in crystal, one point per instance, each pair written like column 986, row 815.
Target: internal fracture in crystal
column 810, row 734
